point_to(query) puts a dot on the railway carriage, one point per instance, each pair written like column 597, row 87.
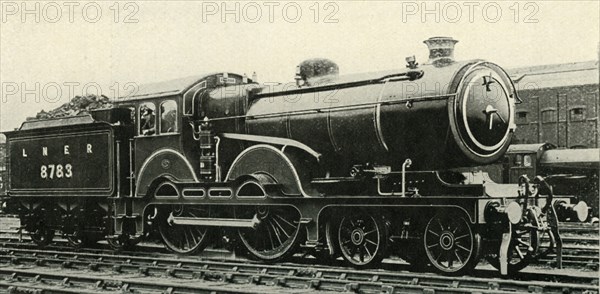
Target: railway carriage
column 569, row 171
column 353, row 166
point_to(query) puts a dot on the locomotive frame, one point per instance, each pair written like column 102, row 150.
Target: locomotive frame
column 220, row 167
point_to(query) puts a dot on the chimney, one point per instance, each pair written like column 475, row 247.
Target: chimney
column 441, row 50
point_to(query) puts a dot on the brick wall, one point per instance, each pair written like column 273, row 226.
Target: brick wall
column 564, row 116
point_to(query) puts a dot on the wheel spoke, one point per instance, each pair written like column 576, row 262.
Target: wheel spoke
column 457, row 226
column 271, row 238
column 523, row 242
column 458, row 257
column 436, row 234
column 281, row 228
column 439, row 256
column 460, row 237
column 519, row 252
column 433, row 245
column 201, row 233
column 462, row 247
column 369, row 241
column 276, row 231
column 187, row 239
column 367, row 250
column 285, row 221
column 440, row 223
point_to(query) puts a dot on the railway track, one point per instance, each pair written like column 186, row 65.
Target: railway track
column 29, row 268
column 151, row 269
column 580, row 246
column 574, row 256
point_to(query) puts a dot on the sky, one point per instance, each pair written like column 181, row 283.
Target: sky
column 53, row 51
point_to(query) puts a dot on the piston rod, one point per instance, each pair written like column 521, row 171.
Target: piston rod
column 214, row 222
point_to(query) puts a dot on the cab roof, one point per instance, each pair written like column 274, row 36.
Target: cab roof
column 577, row 158
column 529, row 148
column 163, row 88
column 557, row 75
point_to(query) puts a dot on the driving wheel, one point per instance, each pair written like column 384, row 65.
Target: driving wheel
column 276, row 234
column 183, row 239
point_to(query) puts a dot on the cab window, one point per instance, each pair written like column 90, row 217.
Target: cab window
column 147, row 119
column 132, row 113
column 168, row 117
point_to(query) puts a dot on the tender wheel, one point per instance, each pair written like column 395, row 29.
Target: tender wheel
column 41, row 234
column 275, row 236
column 183, row 239
column 523, row 247
column 362, row 239
column 450, row 243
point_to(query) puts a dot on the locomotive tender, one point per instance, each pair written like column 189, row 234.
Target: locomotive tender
column 352, row 166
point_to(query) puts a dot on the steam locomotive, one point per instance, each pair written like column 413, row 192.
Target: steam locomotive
column 353, row 166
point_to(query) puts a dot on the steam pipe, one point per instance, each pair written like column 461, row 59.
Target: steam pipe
column 405, row 165
column 217, row 167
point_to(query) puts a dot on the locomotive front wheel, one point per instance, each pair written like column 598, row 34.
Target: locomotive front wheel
column 523, row 246
column 183, row 239
column 41, row 234
column 276, row 234
column 450, row 244
column 362, row 239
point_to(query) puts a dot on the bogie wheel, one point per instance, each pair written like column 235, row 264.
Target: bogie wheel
column 41, row 234
column 523, row 246
column 276, row 235
column 450, row 243
column 183, row 239
column 362, row 239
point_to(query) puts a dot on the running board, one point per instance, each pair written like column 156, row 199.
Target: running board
column 214, row 222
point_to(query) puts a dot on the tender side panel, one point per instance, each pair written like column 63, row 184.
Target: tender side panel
column 70, row 163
